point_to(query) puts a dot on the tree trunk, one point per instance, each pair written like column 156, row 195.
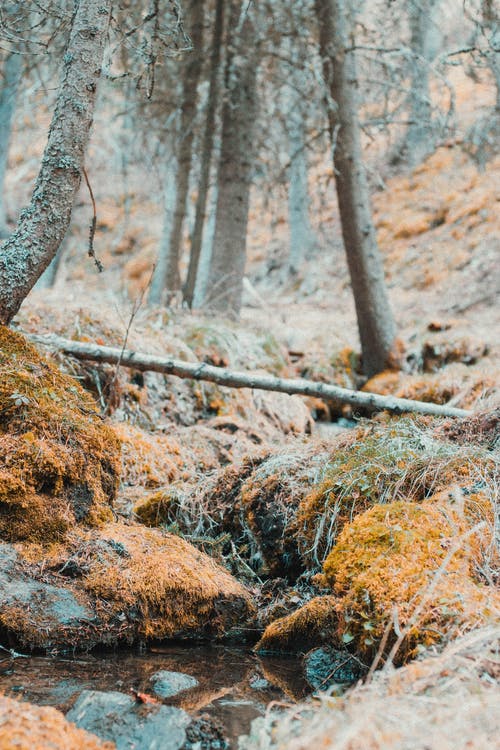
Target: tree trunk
column 192, row 71
column 206, row 155
column 225, row 283
column 235, row 379
column 301, row 234
column 12, row 68
column 43, row 224
column 419, row 141
column 207, row 244
column 375, row 320
column 158, row 291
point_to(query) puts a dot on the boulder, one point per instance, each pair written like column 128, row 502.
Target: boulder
column 117, row 717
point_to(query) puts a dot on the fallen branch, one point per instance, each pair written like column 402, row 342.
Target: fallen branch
column 235, row 379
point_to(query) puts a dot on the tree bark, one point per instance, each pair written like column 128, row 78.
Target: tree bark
column 43, row 224
column 375, row 320
column 192, row 71
column 12, row 68
column 225, row 283
column 301, row 234
column 206, row 155
column 235, row 379
column 419, row 141
column 158, row 291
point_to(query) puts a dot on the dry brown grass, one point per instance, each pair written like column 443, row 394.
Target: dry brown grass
column 449, row 701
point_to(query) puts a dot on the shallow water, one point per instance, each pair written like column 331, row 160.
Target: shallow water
column 235, row 686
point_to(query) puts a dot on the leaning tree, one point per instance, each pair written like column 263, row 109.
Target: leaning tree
column 42, row 225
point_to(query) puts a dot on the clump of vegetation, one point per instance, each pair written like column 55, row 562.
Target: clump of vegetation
column 154, row 510
column 391, row 459
column 27, row 727
column 59, row 462
column 465, row 384
column 420, row 705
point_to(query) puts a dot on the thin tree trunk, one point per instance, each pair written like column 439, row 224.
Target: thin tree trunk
column 491, row 24
column 206, row 155
column 192, row 71
column 235, row 379
column 375, row 320
column 43, row 224
column 225, row 283
column 207, row 246
column 419, row 141
column 158, row 291
column 12, row 68
column 301, row 234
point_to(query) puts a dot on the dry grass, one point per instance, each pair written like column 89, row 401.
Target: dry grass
column 449, row 701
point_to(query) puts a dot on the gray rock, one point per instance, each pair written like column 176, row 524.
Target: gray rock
column 131, row 726
column 328, row 666
column 167, row 684
column 57, row 604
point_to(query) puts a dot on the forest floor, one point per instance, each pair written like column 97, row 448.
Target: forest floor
column 344, row 539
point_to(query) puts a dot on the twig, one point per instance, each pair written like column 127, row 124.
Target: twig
column 93, row 225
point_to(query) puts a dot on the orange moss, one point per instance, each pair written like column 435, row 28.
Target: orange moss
column 27, row 727
column 153, row 510
column 314, row 623
column 148, row 459
column 176, row 589
column 399, row 557
column 59, row 462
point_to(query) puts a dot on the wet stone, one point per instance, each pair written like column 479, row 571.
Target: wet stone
column 166, row 684
column 131, row 726
column 328, row 666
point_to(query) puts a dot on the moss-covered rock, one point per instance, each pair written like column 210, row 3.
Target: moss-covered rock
column 116, row 584
column 398, row 568
column 59, row 462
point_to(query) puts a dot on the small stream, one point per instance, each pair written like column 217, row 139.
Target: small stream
column 234, row 686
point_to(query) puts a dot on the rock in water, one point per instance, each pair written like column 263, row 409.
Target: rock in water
column 329, row 666
column 131, row 726
column 167, row 684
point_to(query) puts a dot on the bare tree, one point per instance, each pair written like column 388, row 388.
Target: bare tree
column 206, row 154
column 375, row 320
column 43, row 224
column 172, row 245
column 420, row 135
column 225, row 283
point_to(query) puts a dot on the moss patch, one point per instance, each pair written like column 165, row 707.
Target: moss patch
column 59, row 463
column 27, row 727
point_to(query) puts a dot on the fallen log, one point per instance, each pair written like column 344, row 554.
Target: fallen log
column 235, row 379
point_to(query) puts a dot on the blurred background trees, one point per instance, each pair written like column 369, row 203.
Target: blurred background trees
column 220, row 118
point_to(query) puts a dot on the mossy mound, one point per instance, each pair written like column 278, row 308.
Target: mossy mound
column 400, row 567
column 175, row 590
column 116, row 584
column 59, row 463
column 407, row 566
column 27, row 727
column 388, row 459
